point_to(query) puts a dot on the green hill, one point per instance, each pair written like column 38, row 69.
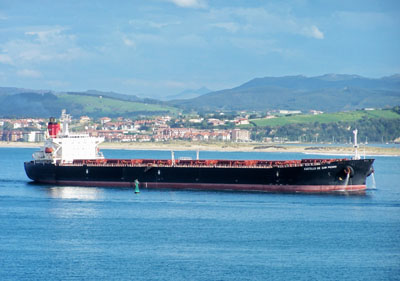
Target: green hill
column 50, row 104
column 373, row 125
column 350, row 116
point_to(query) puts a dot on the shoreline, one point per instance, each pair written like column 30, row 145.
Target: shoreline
column 236, row 147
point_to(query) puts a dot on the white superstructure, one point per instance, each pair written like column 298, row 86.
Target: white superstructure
column 64, row 147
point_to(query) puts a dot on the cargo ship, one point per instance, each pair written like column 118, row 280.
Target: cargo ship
column 75, row 160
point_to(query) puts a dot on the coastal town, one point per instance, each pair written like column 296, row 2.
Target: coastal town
column 157, row 129
column 217, row 127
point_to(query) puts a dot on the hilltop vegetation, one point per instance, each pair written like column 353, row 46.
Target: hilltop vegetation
column 27, row 104
column 351, row 116
column 373, row 126
column 99, row 107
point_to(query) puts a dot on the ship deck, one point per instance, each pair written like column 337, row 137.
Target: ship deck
column 204, row 163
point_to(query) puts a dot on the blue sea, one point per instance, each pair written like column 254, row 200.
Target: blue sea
column 76, row 233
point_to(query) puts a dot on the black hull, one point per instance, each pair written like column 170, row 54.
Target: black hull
column 348, row 175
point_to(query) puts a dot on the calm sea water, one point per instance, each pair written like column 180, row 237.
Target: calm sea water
column 75, row 233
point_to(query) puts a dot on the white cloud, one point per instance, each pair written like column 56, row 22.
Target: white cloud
column 30, row 73
column 313, row 31
column 6, row 59
column 128, row 42
column 190, row 3
column 262, row 21
column 144, row 24
column 43, row 44
column 144, row 40
column 140, row 39
column 44, row 35
column 229, row 26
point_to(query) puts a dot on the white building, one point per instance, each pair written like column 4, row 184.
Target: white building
column 240, row 135
column 34, row 136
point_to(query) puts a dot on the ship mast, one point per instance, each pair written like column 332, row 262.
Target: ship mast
column 356, row 155
column 65, row 119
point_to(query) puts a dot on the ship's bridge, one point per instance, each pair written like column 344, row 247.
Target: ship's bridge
column 63, row 147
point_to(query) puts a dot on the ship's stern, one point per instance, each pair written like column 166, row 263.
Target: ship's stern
column 40, row 172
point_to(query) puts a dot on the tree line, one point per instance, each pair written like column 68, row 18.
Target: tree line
column 370, row 130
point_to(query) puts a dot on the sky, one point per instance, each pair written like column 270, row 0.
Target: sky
column 157, row 48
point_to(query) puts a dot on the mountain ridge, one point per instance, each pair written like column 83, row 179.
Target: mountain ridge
column 187, row 94
column 329, row 92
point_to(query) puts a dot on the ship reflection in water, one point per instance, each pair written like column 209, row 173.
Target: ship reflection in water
column 74, row 192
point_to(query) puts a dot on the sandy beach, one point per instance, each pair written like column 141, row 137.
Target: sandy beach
column 370, row 150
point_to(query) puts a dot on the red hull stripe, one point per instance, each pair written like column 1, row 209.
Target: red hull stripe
column 214, row 186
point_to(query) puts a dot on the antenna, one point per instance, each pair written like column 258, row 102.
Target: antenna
column 356, row 155
column 65, row 119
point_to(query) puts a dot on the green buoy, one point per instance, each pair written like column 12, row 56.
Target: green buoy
column 137, row 186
